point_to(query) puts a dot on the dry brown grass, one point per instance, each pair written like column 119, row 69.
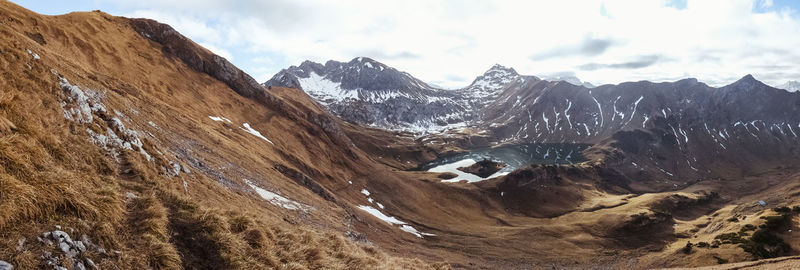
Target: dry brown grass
column 50, row 174
column 148, row 220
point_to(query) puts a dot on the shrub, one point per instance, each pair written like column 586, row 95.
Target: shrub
column 782, row 209
column 729, row 238
column 765, row 237
column 732, row 219
column 703, row 245
column 775, row 222
column 688, row 248
column 720, row 260
column 764, row 244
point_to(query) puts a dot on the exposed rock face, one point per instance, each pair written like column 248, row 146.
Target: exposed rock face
column 686, row 124
column 197, row 57
column 666, row 131
column 202, row 60
column 483, row 168
column 367, row 92
column 490, row 85
column 68, row 249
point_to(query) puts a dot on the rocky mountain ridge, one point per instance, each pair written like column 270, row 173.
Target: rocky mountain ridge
column 687, row 120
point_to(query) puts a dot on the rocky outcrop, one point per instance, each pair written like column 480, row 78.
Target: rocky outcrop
column 447, row 175
column 200, row 59
column 491, row 84
column 305, row 181
column 197, row 57
column 68, row 250
column 483, row 168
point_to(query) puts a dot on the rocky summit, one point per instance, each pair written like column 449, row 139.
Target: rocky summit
column 367, row 92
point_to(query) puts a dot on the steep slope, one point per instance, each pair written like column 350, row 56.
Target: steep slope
column 661, row 150
column 367, row 92
column 126, row 145
column 487, row 87
column 683, row 129
column 124, row 152
column 165, row 155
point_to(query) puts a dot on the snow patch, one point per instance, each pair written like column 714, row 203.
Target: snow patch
column 220, row 119
column 378, row 214
column 635, row 105
column 255, row 132
column 600, row 108
column 393, row 221
column 617, row 112
column 453, row 168
column 566, row 113
column 35, row 55
column 276, row 199
column 325, row 90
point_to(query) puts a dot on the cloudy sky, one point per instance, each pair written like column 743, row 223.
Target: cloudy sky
column 449, row 42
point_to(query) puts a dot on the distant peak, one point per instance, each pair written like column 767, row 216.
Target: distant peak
column 748, row 77
column 747, row 82
column 308, row 62
column 498, row 68
column 790, row 86
column 362, row 59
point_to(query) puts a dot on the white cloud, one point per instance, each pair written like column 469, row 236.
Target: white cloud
column 218, row 51
column 449, row 42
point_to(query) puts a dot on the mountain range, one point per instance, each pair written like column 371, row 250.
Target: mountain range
column 693, row 123
column 126, row 145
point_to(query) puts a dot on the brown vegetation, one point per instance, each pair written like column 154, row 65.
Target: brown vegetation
column 188, row 203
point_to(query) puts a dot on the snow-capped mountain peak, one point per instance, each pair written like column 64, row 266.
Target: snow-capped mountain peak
column 492, row 81
column 571, row 79
column 791, row 86
column 368, row 92
column 366, row 63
